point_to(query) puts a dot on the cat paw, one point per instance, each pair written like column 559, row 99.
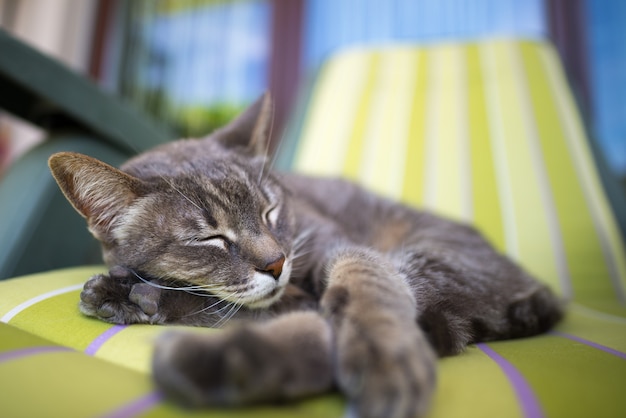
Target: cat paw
column 227, row 368
column 384, row 365
column 288, row 357
column 118, row 298
column 386, row 375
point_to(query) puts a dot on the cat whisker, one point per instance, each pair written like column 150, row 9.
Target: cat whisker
column 189, row 289
column 171, row 184
column 205, row 309
column 201, row 294
column 234, row 308
column 216, row 303
column 302, row 239
column 300, row 254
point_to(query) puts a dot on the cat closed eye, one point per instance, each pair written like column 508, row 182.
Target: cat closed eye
column 214, row 240
column 270, row 217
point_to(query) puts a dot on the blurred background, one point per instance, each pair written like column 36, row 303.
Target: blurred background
column 193, row 64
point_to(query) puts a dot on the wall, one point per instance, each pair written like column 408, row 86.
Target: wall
column 60, row 28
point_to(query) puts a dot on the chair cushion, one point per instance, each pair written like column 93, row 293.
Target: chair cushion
column 79, row 364
column 484, row 132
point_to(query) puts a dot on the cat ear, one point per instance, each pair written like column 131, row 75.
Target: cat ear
column 252, row 128
column 97, row 191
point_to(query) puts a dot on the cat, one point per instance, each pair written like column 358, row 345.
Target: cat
column 330, row 286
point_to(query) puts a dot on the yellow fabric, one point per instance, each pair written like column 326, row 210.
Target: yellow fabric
column 483, row 132
column 54, row 361
column 470, row 385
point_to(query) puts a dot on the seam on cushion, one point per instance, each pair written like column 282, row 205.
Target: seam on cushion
column 30, row 351
column 528, row 401
column 33, row 301
column 99, row 341
column 590, row 344
column 136, row 406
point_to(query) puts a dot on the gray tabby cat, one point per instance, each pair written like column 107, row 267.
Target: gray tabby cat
column 336, row 287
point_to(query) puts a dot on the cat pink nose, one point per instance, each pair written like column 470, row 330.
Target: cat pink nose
column 275, row 268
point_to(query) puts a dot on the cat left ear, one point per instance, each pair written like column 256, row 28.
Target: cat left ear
column 252, row 128
column 99, row 192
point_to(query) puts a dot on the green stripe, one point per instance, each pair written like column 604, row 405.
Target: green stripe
column 329, row 406
column 54, row 383
column 471, row 385
column 387, row 133
column 413, row 187
column 580, row 238
column 524, row 215
column 19, row 290
column 58, row 319
column 12, row 338
column 561, row 373
column 596, row 327
column 355, row 146
column 487, row 209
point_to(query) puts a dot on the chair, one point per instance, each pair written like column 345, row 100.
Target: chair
column 485, row 132
column 40, row 231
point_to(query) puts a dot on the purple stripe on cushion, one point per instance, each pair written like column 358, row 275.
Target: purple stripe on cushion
column 30, row 351
column 590, row 344
column 136, row 406
column 523, row 391
column 102, row 338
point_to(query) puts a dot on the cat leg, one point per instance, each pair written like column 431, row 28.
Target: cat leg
column 468, row 297
column 285, row 358
column 383, row 362
column 120, row 297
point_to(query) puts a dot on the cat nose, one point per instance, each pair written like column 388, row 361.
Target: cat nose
column 275, row 268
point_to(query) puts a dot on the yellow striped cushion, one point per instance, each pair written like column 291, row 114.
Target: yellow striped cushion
column 484, row 132
column 55, row 362
column 488, row 133
column 57, row 368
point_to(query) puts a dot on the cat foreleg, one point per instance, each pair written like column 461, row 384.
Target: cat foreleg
column 383, row 362
column 120, row 298
column 284, row 358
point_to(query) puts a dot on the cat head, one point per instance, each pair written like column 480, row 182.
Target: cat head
column 206, row 212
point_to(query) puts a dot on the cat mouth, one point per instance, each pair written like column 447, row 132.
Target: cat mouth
column 266, row 300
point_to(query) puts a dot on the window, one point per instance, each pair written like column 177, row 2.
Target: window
column 194, row 64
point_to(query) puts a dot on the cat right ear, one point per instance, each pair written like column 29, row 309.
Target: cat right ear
column 99, row 192
column 251, row 130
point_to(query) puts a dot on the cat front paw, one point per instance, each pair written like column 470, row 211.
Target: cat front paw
column 119, row 298
column 386, row 375
column 222, row 369
column 384, row 365
column 288, row 357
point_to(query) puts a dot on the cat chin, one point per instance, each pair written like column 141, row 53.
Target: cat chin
column 267, row 301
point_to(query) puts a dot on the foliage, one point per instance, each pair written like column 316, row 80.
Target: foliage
column 194, row 121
